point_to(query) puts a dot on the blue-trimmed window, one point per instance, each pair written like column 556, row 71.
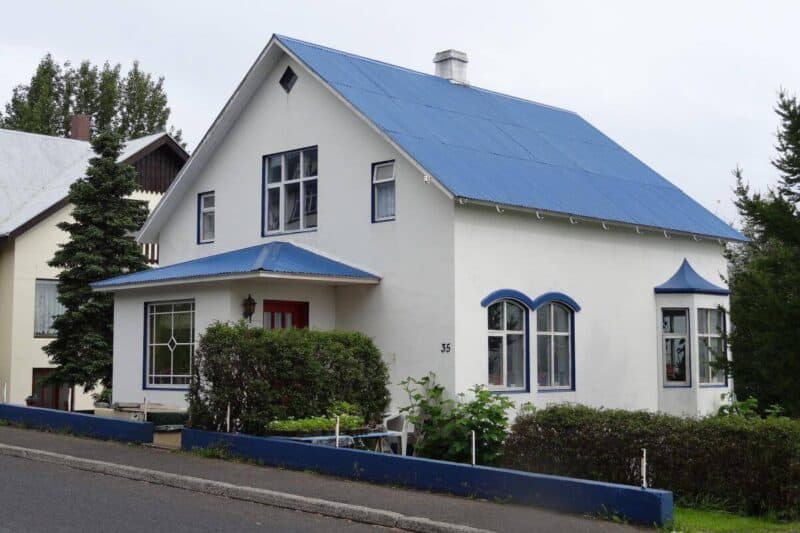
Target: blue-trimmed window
column 169, row 338
column 383, row 191
column 675, row 347
column 711, row 345
column 507, row 340
column 554, row 346
column 206, row 209
column 289, row 195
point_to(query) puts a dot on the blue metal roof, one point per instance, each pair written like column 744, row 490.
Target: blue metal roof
column 486, row 146
column 686, row 280
column 275, row 257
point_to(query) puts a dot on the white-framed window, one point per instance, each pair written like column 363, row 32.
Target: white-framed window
column 290, row 191
column 46, row 308
column 206, row 203
column 675, row 346
column 383, row 189
column 506, row 345
column 170, row 343
column 711, row 344
column 554, row 346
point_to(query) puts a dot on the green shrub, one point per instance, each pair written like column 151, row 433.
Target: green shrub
column 443, row 425
column 317, row 424
column 266, row 375
column 744, row 464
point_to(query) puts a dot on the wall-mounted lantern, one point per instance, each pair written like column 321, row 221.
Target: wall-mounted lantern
column 249, row 306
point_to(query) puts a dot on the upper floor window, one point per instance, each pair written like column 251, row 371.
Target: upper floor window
column 170, row 343
column 711, row 344
column 290, row 191
column 205, row 217
column 383, row 196
column 47, row 307
column 675, row 346
column 554, row 346
column 506, row 348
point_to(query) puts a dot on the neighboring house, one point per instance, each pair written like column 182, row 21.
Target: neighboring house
column 36, row 172
column 488, row 239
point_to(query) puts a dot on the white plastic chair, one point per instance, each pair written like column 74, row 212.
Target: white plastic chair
column 397, row 428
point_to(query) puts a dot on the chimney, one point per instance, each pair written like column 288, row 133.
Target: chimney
column 451, row 65
column 80, row 127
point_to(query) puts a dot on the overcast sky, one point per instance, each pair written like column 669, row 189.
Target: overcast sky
column 688, row 87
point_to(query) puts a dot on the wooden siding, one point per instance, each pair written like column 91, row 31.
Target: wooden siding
column 156, row 170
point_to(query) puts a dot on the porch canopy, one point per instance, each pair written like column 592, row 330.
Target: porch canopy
column 277, row 260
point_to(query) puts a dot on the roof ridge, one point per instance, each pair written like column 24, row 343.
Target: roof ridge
column 9, row 131
column 420, row 73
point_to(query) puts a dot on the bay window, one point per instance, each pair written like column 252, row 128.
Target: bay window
column 711, row 345
column 290, row 191
column 675, row 346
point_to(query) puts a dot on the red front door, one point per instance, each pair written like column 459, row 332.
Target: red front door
column 279, row 314
column 49, row 396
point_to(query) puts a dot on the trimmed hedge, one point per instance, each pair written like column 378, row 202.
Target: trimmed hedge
column 266, row 375
column 749, row 465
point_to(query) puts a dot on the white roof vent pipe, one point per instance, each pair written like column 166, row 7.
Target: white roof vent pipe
column 451, row 65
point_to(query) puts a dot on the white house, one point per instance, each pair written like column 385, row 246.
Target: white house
column 36, row 172
column 486, row 238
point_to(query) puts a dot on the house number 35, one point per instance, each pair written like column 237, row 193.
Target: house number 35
column 445, row 347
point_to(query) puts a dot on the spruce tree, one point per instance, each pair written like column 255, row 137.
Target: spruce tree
column 99, row 246
column 764, row 279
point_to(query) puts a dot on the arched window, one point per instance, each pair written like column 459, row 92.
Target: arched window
column 554, row 346
column 507, row 334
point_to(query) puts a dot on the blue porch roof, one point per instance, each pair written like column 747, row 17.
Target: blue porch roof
column 687, row 280
column 274, row 257
column 485, row 146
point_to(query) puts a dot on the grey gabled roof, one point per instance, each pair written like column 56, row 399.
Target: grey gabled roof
column 36, row 172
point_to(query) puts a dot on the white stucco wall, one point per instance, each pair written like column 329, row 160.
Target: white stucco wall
column 411, row 312
column 610, row 274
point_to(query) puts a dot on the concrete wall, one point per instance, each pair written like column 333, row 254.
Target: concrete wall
column 611, row 274
column 410, row 314
column 6, row 314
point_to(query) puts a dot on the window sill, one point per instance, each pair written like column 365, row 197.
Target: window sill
column 509, row 391
column 205, row 242
column 35, row 336
column 290, row 232
column 167, row 387
column 713, row 385
column 678, row 386
column 555, row 389
column 378, row 221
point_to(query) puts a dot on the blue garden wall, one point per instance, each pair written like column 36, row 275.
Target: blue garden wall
column 78, row 423
column 644, row 506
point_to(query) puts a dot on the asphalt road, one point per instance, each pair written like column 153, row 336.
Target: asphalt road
column 44, row 497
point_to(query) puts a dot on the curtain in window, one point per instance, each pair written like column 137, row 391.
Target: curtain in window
column 384, row 200
column 47, row 307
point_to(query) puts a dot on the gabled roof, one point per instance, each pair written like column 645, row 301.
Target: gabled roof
column 687, row 281
column 36, row 172
column 274, row 259
column 479, row 145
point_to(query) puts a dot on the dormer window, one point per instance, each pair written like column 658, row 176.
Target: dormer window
column 288, row 79
column 290, row 191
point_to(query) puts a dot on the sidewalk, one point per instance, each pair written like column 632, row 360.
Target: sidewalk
column 479, row 514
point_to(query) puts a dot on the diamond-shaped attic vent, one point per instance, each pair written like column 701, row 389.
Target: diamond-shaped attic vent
column 288, row 79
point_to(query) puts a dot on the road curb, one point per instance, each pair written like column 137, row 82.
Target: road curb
column 356, row 513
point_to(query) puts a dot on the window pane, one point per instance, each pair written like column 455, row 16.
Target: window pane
column 543, row 318
column 496, row 361
column 310, row 162
column 162, row 331
column 273, row 209
column 496, row 316
column 515, row 361
column 514, row 317
column 292, row 165
column 292, row 202
column 674, row 321
column 185, row 306
column 208, row 200
column 208, row 227
column 47, row 307
column 384, row 200
column 287, row 320
column 384, row 172
column 162, row 361
column 675, row 360
column 716, row 321
column 717, row 354
column 267, row 320
column 702, row 346
column 182, row 327
column 274, row 169
column 561, row 372
column 702, row 321
column 277, row 323
column 180, row 359
column 310, row 204
column 560, row 318
column 543, row 359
